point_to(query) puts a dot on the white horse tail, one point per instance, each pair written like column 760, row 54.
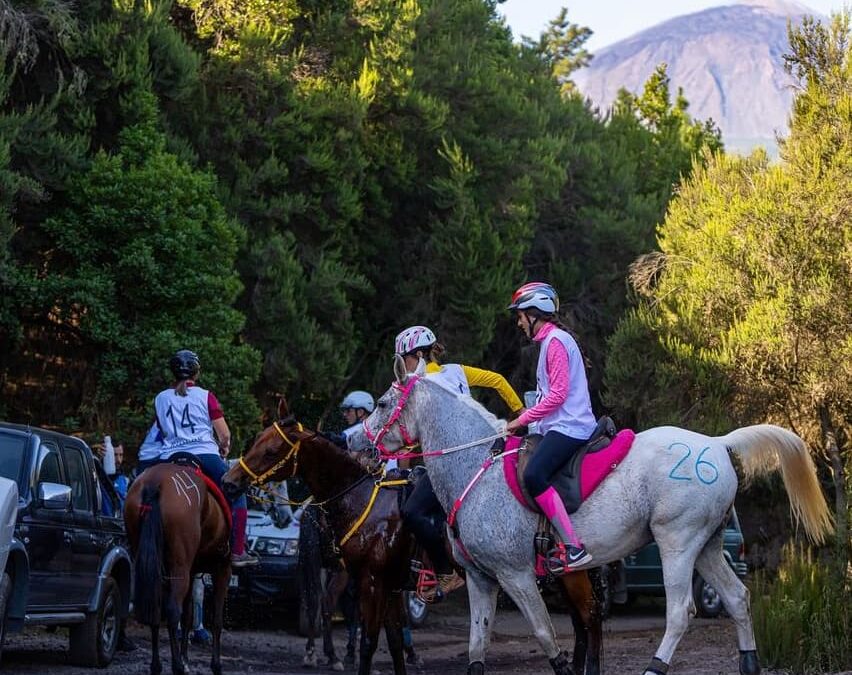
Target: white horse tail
column 764, row 448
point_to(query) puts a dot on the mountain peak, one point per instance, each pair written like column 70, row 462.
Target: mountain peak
column 780, row 7
column 728, row 60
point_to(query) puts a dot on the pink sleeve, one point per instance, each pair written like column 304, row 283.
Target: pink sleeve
column 213, row 406
column 557, row 373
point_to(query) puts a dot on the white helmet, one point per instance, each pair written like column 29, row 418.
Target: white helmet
column 412, row 339
column 536, row 295
column 358, row 399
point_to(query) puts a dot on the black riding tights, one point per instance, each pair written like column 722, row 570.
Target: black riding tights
column 423, row 515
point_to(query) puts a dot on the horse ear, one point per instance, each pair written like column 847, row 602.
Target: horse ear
column 399, row 368
column 421, row 368
column 283, row 408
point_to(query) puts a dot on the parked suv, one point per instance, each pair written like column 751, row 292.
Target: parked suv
column 68, row 562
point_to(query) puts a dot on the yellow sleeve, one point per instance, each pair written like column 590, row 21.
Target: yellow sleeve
column 477, row 377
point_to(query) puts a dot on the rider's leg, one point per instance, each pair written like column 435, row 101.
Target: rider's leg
column 423, row 515
column 216, row 467
column 552, row 453
column 418, row 514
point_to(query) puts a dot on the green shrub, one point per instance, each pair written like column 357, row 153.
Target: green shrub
column 803, row 618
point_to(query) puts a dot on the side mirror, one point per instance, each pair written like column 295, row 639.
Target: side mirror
column 54, row 496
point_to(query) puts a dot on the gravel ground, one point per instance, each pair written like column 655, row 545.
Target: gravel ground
column 709, row 648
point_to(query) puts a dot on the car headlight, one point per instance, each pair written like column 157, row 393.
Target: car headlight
column 269, row 546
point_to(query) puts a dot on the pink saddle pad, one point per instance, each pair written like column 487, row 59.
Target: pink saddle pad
column 596, row 466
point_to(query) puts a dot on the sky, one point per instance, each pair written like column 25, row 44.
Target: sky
column 612, row 20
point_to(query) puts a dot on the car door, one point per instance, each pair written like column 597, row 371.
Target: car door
column 85, row 543
column 47, row 535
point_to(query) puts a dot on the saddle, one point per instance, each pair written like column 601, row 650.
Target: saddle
column 190, row 461
column 574, row 481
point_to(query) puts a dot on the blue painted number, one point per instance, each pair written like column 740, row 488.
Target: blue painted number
column 705, row 471
column 702, row 473
column 681, row 461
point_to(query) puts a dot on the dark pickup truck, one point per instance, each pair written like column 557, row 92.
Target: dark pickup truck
column 68, row 561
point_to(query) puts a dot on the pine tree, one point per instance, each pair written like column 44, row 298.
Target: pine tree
column 143, row 266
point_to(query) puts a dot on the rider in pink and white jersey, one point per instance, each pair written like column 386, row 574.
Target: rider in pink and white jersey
column 563, row 411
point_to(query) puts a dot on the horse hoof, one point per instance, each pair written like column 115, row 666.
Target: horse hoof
column 476, row 668
column 749, row 665
column 561, row 665
column 309, row 660
column 337, row 665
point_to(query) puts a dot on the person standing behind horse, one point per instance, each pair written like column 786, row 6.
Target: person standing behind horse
column 422, row 512
column 563, row 412
column 190, row 420
column 356, row 407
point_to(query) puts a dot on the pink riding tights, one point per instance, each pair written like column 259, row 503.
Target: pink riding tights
column 552, row 506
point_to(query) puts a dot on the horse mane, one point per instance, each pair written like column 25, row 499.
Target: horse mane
column 487, row 416
column 320, row 437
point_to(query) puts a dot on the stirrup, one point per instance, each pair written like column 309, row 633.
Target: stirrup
column 427, row 589
column 556, row 560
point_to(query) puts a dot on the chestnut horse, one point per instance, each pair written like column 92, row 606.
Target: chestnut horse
column 379, row 550
column 176, row 529
column 374, row 546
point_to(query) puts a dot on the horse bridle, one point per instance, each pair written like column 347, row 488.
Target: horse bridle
column 260, row 479
column 376, row 439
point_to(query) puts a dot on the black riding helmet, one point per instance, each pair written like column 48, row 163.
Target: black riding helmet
column 184, row 364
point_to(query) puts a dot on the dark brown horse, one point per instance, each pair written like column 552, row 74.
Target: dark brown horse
column 366, row 521
column 176, row 529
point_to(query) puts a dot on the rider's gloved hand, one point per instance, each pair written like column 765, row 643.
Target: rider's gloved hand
column 515, row 428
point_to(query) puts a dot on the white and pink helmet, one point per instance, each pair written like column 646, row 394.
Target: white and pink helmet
column 412, row 339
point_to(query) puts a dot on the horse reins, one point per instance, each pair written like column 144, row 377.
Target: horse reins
column 376, row 440
column 408, row 441
column 258, row 480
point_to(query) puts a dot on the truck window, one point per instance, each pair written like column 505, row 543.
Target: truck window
column 50, row 470
column 12, row 450
column 78, row 479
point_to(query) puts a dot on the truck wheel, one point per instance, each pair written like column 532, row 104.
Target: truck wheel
column 93, row 642
column 708, row 604
column 416, row 608
column 5, row 594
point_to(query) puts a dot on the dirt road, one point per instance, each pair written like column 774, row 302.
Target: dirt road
column 709, row 648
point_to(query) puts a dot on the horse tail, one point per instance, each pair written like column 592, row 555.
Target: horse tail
column 149, row 562
column 764, row 448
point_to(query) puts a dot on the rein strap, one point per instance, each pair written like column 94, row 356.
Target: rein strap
column 378, row 485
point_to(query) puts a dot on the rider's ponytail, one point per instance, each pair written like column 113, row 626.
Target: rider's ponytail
column 436, row 352
column 181, row 387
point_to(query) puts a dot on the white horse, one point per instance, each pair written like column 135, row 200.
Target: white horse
column 675, row 487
